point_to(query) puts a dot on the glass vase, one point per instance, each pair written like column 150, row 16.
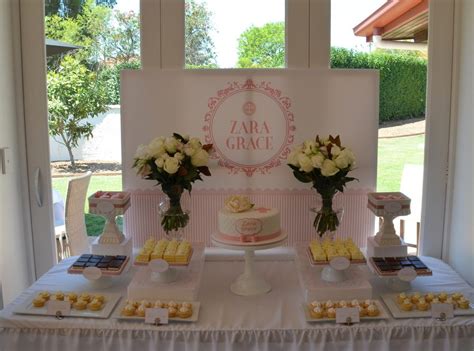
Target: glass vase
column 174, row 217
column 327, row 218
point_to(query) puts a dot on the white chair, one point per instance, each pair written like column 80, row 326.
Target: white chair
column 76, row 235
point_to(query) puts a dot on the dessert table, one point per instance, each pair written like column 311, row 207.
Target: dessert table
column 273, row 321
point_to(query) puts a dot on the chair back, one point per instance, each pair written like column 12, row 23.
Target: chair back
column 75, row 221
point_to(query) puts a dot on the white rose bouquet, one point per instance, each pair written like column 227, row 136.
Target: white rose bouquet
column 325, row 163
column 175, row 163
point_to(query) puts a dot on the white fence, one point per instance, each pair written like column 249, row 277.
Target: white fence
column 105, row 145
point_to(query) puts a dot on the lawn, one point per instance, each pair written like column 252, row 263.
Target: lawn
column 394, row 153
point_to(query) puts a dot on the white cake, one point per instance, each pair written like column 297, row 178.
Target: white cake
column 254, row 225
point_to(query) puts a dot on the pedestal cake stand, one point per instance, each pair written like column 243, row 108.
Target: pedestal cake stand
column 250, row 282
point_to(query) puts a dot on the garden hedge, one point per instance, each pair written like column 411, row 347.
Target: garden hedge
column 402, row 80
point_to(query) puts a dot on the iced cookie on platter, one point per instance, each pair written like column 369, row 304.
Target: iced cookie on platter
column 316, row 312
column 185, row 312
column 372, row 311
column 38, row 302
column 422, row 305
column 406, row 305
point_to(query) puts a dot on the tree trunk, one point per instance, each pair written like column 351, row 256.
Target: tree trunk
column 68, row 146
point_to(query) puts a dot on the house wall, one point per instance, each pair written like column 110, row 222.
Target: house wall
column 104, row 145
column 460, row 230
column 14, row 217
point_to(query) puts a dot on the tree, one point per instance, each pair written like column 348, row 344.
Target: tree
column 199, row 47
column 74, row 94
column 262, row 47
column 124, row 38
column 71, row 8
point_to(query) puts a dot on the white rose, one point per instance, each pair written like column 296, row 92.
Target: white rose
column 189, row 150
column 335, row 150
column 171, row 165
column 179, row 156
column 171, row 145
column 200, row 158
column 317, row 160
column 194, row 143
column 309, row 147
column 238, row 203
column 329, row 168
column 305, row 163
column 159, row 162
column 142, row 152
column 293, row 158
column 345, row 159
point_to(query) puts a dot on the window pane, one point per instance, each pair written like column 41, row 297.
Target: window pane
column 235, row 34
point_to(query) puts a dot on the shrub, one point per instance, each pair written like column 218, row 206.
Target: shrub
column 110, row 78
column 402, row 80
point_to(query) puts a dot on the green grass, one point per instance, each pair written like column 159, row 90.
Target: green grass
column 94, row 223
column 393, row 154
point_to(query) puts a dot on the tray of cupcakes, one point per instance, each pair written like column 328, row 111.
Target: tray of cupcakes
column 325, row 311
column 82, row 304
column 418, row 305
column 178, row 311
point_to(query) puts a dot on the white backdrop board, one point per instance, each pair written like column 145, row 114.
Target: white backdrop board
column 253, row 118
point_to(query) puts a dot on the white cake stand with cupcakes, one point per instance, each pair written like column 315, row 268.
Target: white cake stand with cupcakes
column 243, row 226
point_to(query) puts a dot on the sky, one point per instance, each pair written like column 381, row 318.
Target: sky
column 232, row 17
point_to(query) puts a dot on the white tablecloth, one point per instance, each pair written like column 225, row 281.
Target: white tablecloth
column 270, row 322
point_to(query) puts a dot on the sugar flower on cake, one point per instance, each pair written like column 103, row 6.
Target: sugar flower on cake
column 238, row 203
column 175, row 163
column 325, row 163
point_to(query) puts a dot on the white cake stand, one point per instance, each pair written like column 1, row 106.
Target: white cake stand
column 250, row 283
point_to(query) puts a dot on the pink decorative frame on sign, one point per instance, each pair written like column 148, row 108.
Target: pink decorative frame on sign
column 263, row 87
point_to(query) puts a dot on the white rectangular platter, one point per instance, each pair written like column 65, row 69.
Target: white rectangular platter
column 382, row 315
column 111, row 300
column 390, row 301
column 194, row 317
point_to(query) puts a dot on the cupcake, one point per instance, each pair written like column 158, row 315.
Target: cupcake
column 187, row 304
column 185, row 312
column 367, row 303
column 312, row 304
column 316, row 312
column 372, row 311
column 407, row 305
column 343, row 304
column 355, row 303
column 71, row 297
column 38, row 302
column 94, row 305
column 85, row 296
column 442, row 296
column 331, row 312
column 422, row 305
column 45, row 295
column 128, row 310
column 140, row 311
column 172, row 312
column 362, row 311
column 58, row 296
column 99, row 297
column 158, row 304
column 456, row 296
column 133, row 303
column 415, row 298
column 401, row 297
column 329, row 304
column 463, row 303
column 172, row 304
column 429, row 297
column 80, row 305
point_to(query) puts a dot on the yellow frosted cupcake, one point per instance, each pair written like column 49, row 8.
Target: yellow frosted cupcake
column 342, row 303
column 407, row 305
column 71, row 297
column 38, row 302
column 173, row 304
column 94, row 305
column 401, row 297
column 58, row 296
column 185, row 312
column 128, row 310
column 316, row 312
column 456, row 296
column 158, row 304
column 313, row 304
column 331, row 312
column 422, row 305
column 442, row 296
column 85, row 296
column 415, row 297
column 429, row 297
column 140, row 311
column 45, row 295
column 372, row 311
column 80, row 305
column 99, row 297
column 463, row 303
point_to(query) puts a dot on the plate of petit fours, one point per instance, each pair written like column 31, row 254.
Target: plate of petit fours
column 178, row 311
column 83, row 304
column 176, row 253
column 418, row 304
column 325, row 311
column 322, row 252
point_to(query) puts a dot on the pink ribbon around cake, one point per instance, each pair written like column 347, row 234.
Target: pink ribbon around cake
column 249, row 238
